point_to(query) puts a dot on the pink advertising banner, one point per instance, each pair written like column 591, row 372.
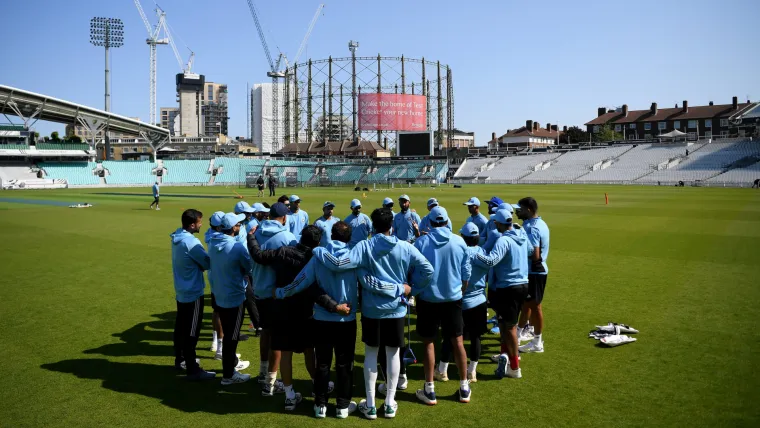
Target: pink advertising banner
column 392, row 112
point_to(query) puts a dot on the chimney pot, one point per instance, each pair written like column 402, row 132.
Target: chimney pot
column 653, row 108
column 555, row 128
column 735, row 103
column 685, row 106
column 529, row 125
column 625, row 110
column 493, row 136
column 564, row 128
column 601, row 111
column 535, row 125
column 711, row 103
column 548, row 126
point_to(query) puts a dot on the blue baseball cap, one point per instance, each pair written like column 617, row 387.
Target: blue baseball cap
column 355, row 203
column 258, row 207
column 469, row 229
column 243, row 207
column 216, row 218
column 294, row 198
column 506, row 206
column 231, row 219
column 328, row 204
column 438, row 215
column 432, row 202
column 503, row 217
column 473, row 201
column 495, row 201
column 387, row 201
column 278, row 210
column 404, row 198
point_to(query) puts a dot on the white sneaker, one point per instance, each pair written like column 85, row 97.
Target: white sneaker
column 158, row 209
column 472, row 377
column 532, row 347
column 440, row 376
column 242, row 365
column 213, row 346
column 320, row 411
column 236, row 378
column 403, row 383
column 514, row 374
column 343, row 413
column 525, row 336
column 389, row 411
column 368, row 412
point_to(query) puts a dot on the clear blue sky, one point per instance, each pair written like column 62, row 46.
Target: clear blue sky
column 551, row 61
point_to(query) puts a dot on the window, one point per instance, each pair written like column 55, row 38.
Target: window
column 647, row 136
column 708, row 134
column 692, row 124
column 632, row 126
column 617, row 128
column 708, row 123
column 631, row 136
column 596, row 129
column 677, row 124
column 647, row 126
column 724, row 123
column 210, row 93
column 662, row 125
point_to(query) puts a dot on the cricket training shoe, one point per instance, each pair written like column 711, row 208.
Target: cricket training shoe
column 320, row 411
column 440, row 376
column 464, row 395
column 343, row 413
column 501, row 368
column 532, row 347
column 291, row 403
column 236, row 378
column 389, row 411
column 427, row 397
column 368, row 412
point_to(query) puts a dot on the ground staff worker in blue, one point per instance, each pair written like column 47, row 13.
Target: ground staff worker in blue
column 189, row 260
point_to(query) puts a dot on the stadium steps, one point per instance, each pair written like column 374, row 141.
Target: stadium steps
column 605, row 160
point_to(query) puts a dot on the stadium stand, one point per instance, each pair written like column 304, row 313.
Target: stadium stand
column 704, row 163
column 234, row 169
column 571, row 165
column 513, row 168
column 638, row 162
column 186, row 171
column 471, row 167
column 13, row 146
column 62, row 146
column 744, row 175
column 75, row 173
column 129, row 172
column 16, row 171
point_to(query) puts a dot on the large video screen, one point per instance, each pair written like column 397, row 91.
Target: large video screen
column 414, row 144
column 392, row 112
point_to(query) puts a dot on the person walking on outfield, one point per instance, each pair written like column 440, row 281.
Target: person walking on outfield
column 334, row 331
column 538, row 235
column 389, row 262
column 230, row 266
column 406, row 223
column 474, row 309
column 425, row 222
column 440, row 304
column 155, row 197
column 508, row 287
column 271, row 235
column 189, row 260
column 272, row 182
column 216, row 341
column 260, row 186
column 297, row 218
column 361, row 225
column 473, row 207
column 326, row 222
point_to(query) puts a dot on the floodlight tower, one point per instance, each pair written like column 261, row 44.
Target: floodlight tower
column 109, row 33
column 353, row 46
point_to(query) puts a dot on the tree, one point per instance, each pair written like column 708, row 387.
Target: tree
column 54, row 136
column 46, row 139
column 573, row 135
column 36, row 135
column 75, row 139
column 606, row 133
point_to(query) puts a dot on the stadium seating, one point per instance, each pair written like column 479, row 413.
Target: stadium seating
column 639, row 161
column 706, row 162
column 471, row 167
column 16, row 171
column 186, row 171
column 62, row 146
column 129, row 172
column 512, row 168
column 742, row 176
column 75, row 173
column 572, row 165
column 12, row 146
column 234, row 169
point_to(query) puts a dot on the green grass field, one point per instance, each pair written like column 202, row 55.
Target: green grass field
column 87, row 308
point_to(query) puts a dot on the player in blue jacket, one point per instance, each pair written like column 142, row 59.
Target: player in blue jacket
column 406, row 224
column 440, row 304
column 297, row 218
column 361, row 225
column 326, row 222
column 189, row 260
column 388, row 261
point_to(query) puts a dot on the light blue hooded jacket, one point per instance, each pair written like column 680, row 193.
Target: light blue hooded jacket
column 426, row 227
column 326, row 226
column 451, row 265
column 538, row 235
column 230, row 266
column 270, row 235
column 361, row 227
column 508, row 260
column 476, row 290
column 340, row 286
column 482, row 222
column 207, row 239
column 385, row 263
column 402, row 225
column 297, row 221
column 189, row 260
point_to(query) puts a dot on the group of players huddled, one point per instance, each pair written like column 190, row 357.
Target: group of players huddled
column 303, row 284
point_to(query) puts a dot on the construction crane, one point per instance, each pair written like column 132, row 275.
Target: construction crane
column 274, row 69
column 154, row 39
